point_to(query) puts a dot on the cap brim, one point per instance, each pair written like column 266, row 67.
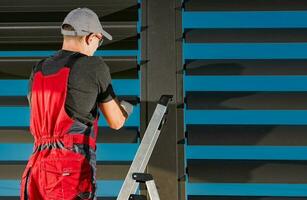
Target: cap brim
column 107, row 35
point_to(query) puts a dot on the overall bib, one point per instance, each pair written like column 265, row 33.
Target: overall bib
column 63, row 163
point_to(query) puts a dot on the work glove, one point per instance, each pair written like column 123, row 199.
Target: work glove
column 127, row 107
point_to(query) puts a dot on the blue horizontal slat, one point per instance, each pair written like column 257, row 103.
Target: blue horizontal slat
column 116, row 53
column 20, row 116
column 245, row 83
column 49, row 53
column 245, row 19
column 126, row 87
column 246, row 51
column 105, row 188
column 20, row 87
column 250, row 189
column 108, row 188
column 105, row 152
column 114, row 152
column 246, row 152
column 261, row 117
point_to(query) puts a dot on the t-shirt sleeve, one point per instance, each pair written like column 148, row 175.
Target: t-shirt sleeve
column 105, row 89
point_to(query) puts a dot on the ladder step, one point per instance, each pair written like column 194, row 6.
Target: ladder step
column 137, row 197
column 142, row 177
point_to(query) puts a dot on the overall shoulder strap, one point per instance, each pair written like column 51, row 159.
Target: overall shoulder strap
column 73, row 58
column 39, row 65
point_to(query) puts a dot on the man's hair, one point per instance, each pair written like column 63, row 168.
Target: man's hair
column 68, row 27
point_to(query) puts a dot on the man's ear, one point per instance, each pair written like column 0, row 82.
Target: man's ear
column 87, row 39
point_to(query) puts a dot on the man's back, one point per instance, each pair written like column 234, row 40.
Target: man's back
column 62, row 165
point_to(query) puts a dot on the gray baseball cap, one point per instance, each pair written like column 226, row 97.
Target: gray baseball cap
column 84, row 21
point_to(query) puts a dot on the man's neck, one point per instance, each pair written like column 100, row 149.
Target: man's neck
column 74, row 48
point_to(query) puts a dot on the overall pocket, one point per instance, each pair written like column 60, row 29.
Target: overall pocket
column 64, row 178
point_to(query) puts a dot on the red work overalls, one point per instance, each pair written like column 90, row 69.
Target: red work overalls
column 63, row 163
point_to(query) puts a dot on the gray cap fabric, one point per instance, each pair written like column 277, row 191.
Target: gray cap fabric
column 84, row 21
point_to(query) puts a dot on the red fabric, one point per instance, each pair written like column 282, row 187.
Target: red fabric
column 55, row 174
column 48, row 116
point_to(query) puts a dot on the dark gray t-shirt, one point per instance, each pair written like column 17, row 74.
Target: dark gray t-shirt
column 89, row 84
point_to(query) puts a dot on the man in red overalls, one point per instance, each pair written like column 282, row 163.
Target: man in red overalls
column 66, row 90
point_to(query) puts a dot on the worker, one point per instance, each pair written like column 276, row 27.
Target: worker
column 66, row 92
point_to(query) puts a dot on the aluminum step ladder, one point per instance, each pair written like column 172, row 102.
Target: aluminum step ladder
column 136, row 173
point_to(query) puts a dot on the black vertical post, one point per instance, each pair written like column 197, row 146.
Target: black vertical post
column 161, row 73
